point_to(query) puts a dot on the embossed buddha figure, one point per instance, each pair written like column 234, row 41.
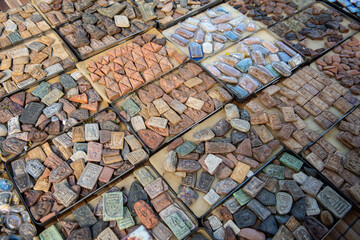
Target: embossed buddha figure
column 37, row 136
column 41, row 209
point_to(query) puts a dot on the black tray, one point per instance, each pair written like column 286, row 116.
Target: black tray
column 201, row 230
column 106, row 47
column 306, row 164
column 33, row 38
column 34, row 84
column 101, row 191
column 340, row 8
column 329, row 6
column 37, row 82
column 166, row 141
column 79, row 201
column 183, row 17
column 86, row 56
column 301, row 8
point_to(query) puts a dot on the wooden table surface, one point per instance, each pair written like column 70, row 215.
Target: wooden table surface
column 347, row 229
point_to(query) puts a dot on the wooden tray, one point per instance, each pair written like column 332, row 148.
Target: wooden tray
column 310, row 122
column 101, row 88
column 232, row 11
column 264, row 34
column 331, row 53
column 200, row 206
column 331, row 137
